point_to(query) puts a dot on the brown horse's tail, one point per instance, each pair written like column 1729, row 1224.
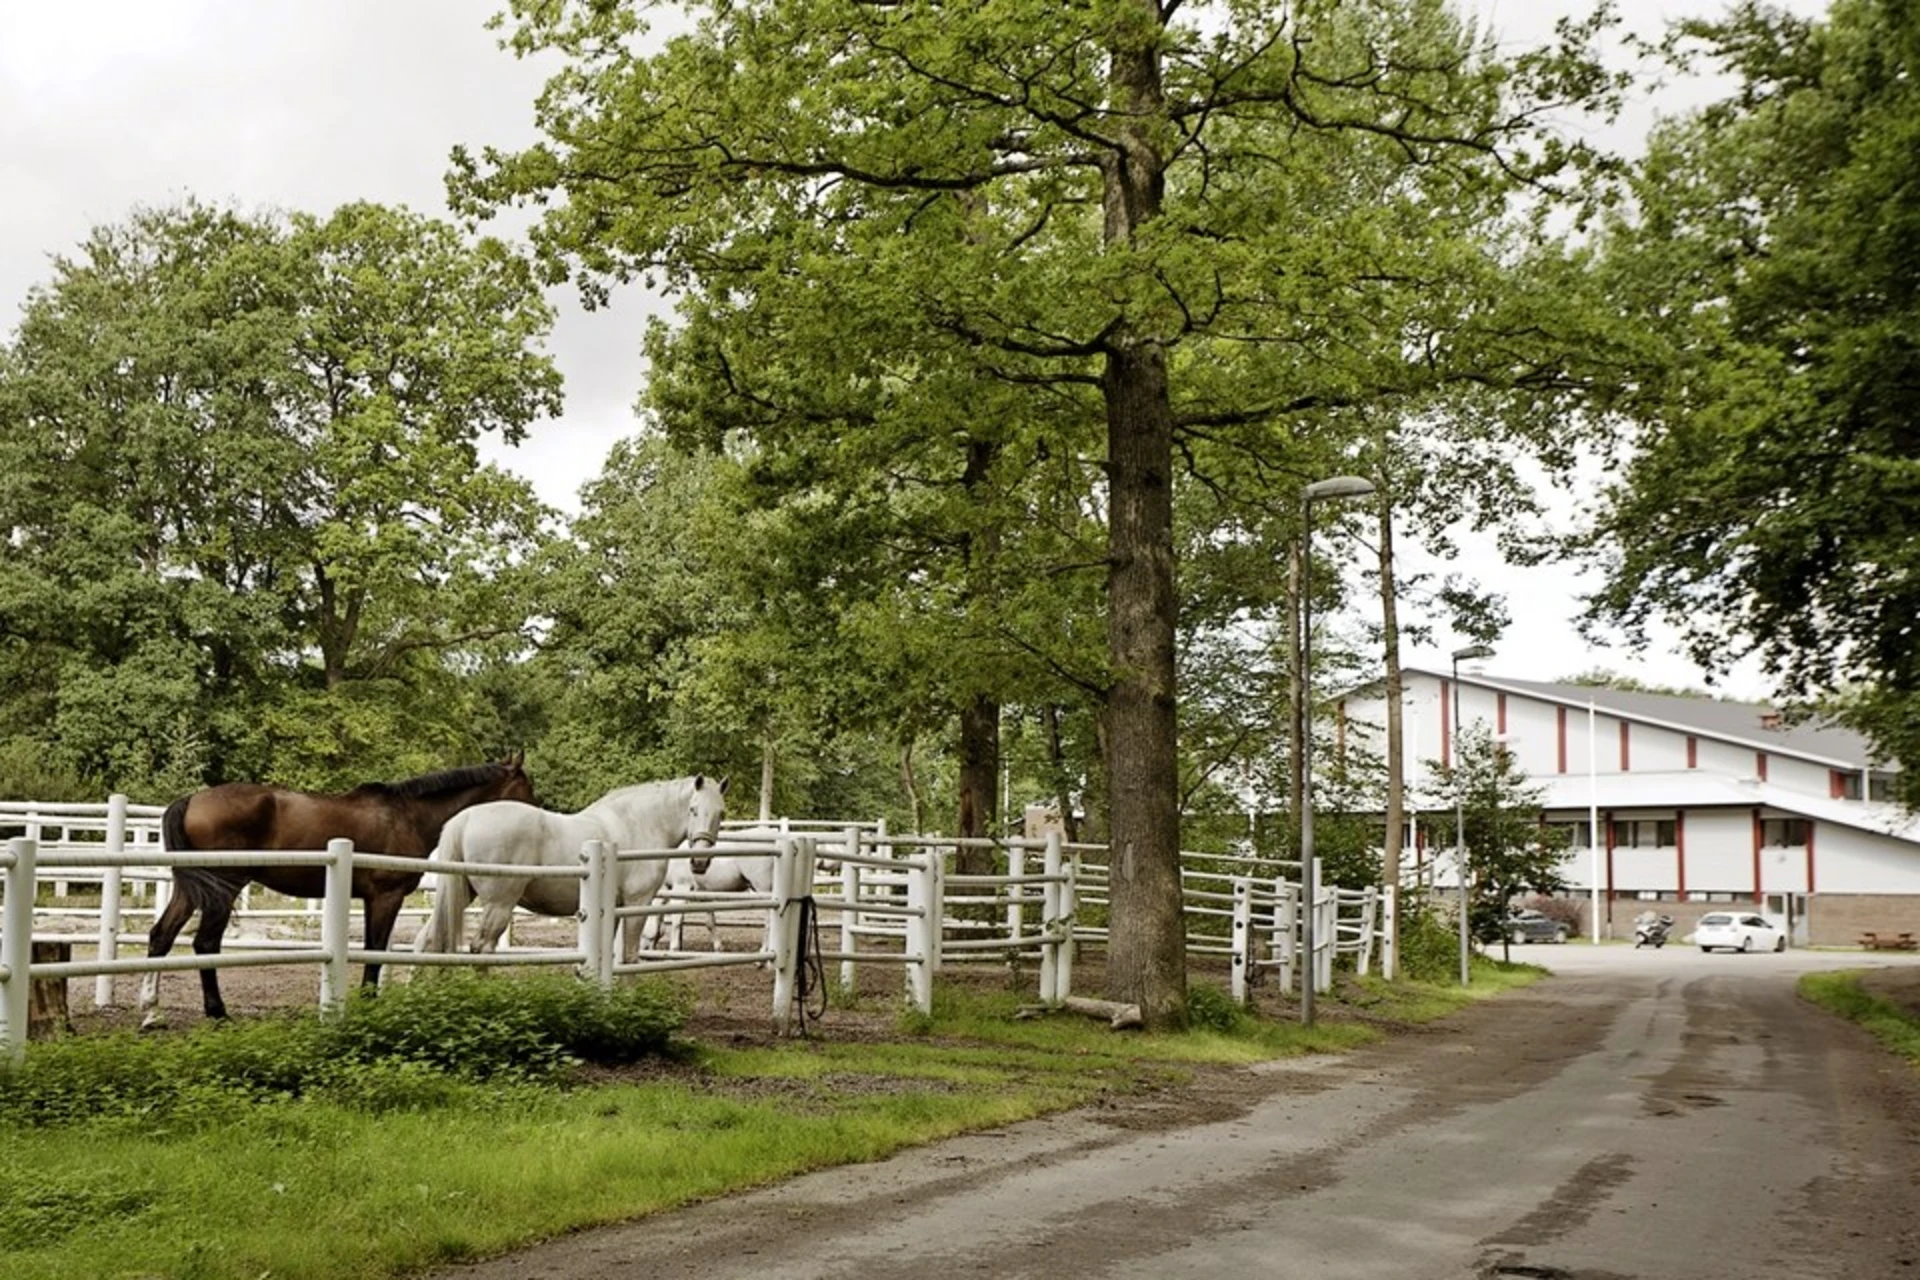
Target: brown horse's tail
column 200, row 885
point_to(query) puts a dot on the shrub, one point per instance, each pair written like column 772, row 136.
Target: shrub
column 1429, row 943
column 411, row 1047
column 1211, row 1009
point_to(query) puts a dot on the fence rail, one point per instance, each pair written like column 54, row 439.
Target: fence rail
column 895, row 899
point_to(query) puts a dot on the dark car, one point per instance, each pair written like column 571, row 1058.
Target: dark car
column 1535, row 926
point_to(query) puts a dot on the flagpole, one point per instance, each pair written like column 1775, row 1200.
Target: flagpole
column 1593, row 820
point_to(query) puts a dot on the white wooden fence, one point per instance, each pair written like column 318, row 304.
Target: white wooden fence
column 895, row 900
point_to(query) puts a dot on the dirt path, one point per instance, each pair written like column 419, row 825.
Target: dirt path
column 1677, row 1120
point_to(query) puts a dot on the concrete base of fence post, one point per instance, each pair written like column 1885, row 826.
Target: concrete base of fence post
column 47, row 1014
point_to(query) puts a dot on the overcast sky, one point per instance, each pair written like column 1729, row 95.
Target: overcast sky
column 308, row 104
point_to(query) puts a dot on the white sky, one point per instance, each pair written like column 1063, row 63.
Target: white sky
column 308, row 104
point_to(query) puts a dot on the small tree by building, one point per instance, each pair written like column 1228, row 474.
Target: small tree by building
column 1509, row 850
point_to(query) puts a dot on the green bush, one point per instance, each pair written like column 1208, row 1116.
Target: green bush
column 1211, row 1009
column 411, row 1047
column 1429, row 943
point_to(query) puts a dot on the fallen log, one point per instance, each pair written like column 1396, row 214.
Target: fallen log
column 1121, row 1017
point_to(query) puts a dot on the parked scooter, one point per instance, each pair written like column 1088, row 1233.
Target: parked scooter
column 1650, row 930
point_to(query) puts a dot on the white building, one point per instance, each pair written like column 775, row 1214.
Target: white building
column 1699, row 803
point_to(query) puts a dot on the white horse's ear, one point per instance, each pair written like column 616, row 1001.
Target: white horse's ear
column 723, row 786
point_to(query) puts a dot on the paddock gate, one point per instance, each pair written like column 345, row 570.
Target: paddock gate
column 871, row 898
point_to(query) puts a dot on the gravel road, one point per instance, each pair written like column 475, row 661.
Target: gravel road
column 1639, row 1115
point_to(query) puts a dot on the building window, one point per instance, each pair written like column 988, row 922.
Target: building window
column 1880, row 787
column 1646, row 833
column 1785, row 833
column 1711, row 895
column 1575, row 835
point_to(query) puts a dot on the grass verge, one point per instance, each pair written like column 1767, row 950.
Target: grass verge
column 380, row 1182
column 1840, row 992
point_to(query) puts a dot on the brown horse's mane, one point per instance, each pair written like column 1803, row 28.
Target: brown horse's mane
column 429, row 785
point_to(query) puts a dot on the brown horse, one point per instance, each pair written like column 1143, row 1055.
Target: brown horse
column 398, row 818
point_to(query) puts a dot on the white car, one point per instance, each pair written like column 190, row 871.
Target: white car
column 1738, row 931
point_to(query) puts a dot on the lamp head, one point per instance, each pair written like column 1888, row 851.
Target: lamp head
column 1338, row 487
column 1473, row 651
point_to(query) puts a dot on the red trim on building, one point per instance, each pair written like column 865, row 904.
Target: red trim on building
column 1758, row 832
column 1446, row 722
column 1680, row 853
column 1500, row 714
column 1760, row 765
column 1560, row 732
column 1625, row 756
column 1693, row 752
column 1340, row 731
column 1811, row 824
column 1836, row 785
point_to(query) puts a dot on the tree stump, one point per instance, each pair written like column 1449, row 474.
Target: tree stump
column 47, row 1014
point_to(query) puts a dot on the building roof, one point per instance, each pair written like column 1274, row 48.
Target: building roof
column 1751, row 724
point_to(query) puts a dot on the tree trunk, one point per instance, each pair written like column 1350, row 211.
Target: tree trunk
column 1146, row 951
column 979, row 782
column 980, row 717
column 911, row 785
column 766, row 780
column 1057, row 759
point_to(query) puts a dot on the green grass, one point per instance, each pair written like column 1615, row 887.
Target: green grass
column 397, row 1177
column 1840, row 992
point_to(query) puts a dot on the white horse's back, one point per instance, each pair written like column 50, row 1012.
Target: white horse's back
column 656, row 815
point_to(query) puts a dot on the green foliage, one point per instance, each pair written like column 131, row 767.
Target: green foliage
column 1509, row 852
column 410, row 1047
column 27, row 774
column 1841, row 993
column 1211, row 1009
column 41, row 1206
column 1429, row 942
column 1766, row 256
column 250, row 534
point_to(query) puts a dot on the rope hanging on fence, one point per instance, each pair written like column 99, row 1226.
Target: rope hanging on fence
column 812, row 974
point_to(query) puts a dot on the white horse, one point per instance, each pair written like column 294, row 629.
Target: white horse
column 649, row 815
column 725, row 873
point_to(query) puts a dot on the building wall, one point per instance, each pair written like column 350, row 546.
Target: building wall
column 1848, row 860
column 1838, row 919
column 1720, row 850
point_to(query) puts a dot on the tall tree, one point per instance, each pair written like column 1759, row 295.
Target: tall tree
column 247, row 518
column 1079, row 195
column 1772, row 502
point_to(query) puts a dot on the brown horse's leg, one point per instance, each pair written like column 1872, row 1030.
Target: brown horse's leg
column 166, row 927
column 214, row 915
column 383, row 908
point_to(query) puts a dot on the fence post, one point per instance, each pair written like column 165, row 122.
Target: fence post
column 1242, row 937
column 1050, row 921
column 335, row 913
column 936, row 911
column 16, row 948
column 1368, row 906
column 785, row 864
column 109, row 946
column 1390, row 932
column 1069, row 903
column 1326, row 926
column 1286, row 940
column 1016, row 868
column 921, row 928
column 596, row 939
column 849, row 914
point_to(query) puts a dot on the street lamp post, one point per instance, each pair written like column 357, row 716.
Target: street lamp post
column 1332, row 487
column 1460, row 806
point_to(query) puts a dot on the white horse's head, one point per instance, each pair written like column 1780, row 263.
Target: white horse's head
column 706, row 807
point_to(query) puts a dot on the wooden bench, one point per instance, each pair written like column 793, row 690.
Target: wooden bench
column 1898, row 942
